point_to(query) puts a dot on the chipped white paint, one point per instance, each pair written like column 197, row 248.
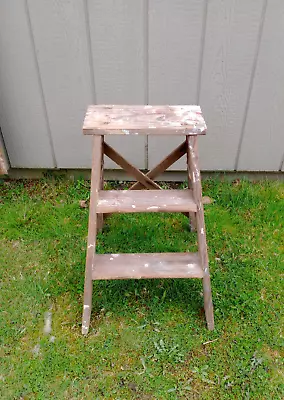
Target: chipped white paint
column 86, row 306
column 146, row 265
column 85, row 326
column 196, row 177
column 169, row 119
column 152, row 208
column 36, row 350
column 202, row 231
column 133, row 206
column 111, row 258
column 115, row 255
column 90, row 245
column 47, row 322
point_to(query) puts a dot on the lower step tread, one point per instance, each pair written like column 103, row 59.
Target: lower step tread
column 146, row 266
column 133, row 201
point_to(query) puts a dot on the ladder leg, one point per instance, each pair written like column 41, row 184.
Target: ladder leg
column 191, row 215
column 194, row 172
column 92, row 231
column 100, row 217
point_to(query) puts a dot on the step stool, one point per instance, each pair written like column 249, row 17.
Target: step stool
column 145, row 120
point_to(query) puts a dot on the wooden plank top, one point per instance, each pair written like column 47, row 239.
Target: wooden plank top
column 144, row 120
column 147, row 266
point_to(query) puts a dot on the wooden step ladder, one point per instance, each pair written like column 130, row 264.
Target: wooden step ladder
column 150, row 120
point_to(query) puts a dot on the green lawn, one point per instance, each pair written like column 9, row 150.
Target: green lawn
column 147, row 338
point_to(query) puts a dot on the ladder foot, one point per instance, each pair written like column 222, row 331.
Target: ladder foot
column 208, row 305
column 86, row 319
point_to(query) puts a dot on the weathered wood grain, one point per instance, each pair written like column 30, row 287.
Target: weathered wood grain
column 92, row 231
column 191, row 215
column 146, row 266
column 146, row 120
column 132, row 201
column 100, row 217
column 194, row 171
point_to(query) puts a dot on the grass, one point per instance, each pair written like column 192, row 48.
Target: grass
column 147, row 337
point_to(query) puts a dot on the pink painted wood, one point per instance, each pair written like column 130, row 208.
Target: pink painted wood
column 145, row 120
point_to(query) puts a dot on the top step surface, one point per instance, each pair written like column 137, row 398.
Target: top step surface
column 144, row 120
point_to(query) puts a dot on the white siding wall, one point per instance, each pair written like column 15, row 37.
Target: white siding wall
column 58, row 56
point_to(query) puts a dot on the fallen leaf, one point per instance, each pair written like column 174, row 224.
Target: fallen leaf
column 207, row 200
column 83, row 203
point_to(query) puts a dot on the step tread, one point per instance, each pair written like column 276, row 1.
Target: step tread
column 146, row 266
column 125, row 201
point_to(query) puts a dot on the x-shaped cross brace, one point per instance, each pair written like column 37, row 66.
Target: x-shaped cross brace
column 146, row 180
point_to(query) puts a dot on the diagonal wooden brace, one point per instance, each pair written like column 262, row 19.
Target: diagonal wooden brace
column 163, row 165
column 136, row 173
column 144, row 180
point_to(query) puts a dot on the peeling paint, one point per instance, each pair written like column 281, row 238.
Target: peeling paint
column 152, row 208
column 47, row 322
